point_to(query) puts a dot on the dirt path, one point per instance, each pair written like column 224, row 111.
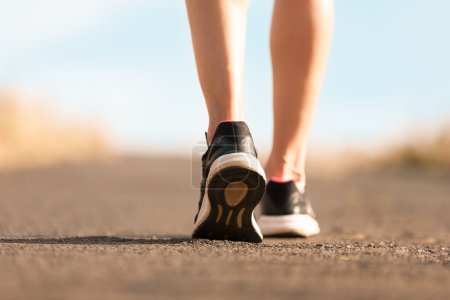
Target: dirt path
column 120, row 230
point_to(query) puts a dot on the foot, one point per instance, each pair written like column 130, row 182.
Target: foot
column 233, row 183
column 286, row 211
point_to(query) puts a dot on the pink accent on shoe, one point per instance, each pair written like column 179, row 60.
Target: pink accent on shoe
column 279, row 179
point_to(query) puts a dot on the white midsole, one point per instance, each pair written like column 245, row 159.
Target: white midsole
column 300, row 224
column 243, row 160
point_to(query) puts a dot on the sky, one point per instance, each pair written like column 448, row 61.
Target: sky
column 129, row 64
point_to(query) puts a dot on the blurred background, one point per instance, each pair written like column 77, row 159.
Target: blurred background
column 119, row 77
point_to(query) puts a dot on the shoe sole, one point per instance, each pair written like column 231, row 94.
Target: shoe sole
column 234, row 188
column 288, row 225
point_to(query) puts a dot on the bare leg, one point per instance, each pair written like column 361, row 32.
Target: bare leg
column 300, row 40
column 218, row 33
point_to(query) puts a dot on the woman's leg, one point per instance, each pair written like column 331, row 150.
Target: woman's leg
column 218, row 33
column 300, row 40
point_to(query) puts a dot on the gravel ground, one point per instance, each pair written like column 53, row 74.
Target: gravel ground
column 120, row 230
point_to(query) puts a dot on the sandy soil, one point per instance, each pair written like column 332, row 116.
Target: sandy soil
column 120, row 230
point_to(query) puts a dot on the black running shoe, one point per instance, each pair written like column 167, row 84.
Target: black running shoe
column 233, row 183
column 286, row 211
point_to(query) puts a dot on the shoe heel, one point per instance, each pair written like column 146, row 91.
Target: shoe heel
column 233, row 194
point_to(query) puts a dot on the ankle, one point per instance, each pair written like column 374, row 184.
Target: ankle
column 282, row 171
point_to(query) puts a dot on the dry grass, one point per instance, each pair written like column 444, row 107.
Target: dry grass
column 31, row 135
column 423, row 150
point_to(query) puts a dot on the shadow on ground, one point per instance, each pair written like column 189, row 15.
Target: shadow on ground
column 99, row 240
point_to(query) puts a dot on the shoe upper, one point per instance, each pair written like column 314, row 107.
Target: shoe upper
column 230, row 137
column 283, row 198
